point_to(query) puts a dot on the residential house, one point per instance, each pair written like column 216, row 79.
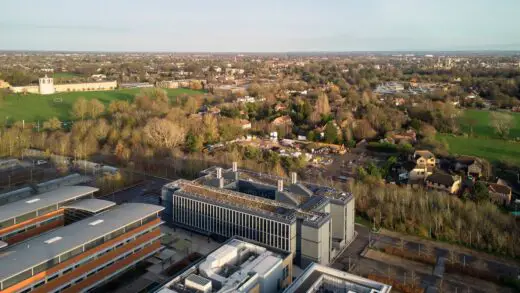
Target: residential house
column 280, row 107
column 245, row 124
column 444, row 182
column 420, row 172
column 282, row 121
column 424, row 158
column 500, row 193
column 409, row 136
column 4, row 84
column 470, row 165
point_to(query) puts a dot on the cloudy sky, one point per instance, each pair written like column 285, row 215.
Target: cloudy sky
column 260, row 26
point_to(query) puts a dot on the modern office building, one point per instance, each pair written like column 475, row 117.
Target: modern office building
column 84, row 254
column 313, row 222
column 319, row 278
column 237, row 266
column 35, row 214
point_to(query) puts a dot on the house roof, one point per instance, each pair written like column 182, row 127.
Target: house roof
column 502, row 182
column 442, row 179
column 424, row 153
column 497, row 188
column 282, row 120
column 466, row 160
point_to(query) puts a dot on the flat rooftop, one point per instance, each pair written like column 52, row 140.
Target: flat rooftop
column 33, row 203
column 316, row 277
column 227, row 268
column 272, row 180
column 233, row 198
column 36, row 250
column 92, row 205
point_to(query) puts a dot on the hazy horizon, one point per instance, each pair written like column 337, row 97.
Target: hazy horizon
column 268, row 26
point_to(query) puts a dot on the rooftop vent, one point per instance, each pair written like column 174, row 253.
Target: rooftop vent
column 53, row 239
column 32, row 200
column 96, row 222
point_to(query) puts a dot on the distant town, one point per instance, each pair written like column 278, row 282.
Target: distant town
column 257, row 172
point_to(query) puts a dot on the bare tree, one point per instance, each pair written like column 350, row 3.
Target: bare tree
column 95, row 108
column 80, row 108
column 52, row 124
column 502, row 123
column 163, row 133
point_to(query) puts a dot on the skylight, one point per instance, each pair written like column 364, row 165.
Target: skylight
column 96, row 222
column 53, row 239
column 33, row 200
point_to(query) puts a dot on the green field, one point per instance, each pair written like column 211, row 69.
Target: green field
column 33, row 107
column 484, row 143
column 491, row 149
column 482, row 127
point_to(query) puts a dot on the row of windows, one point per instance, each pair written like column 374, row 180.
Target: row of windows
column 28, row 228
column 39, row 212
column 104, row 266
column 69, row 254
column 227, row 222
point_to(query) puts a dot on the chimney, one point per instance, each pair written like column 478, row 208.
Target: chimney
column 235, row 167
column 294, row 178
column 280, row 185
column 219, row 172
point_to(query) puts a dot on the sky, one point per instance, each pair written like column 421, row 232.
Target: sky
column 259, row 26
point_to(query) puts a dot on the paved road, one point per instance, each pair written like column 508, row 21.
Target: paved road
column 497, row 268
column 360, row 265
column 148, row 191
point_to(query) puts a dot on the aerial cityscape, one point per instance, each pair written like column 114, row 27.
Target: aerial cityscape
column 297, row 146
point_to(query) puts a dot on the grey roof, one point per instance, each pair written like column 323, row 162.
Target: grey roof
column 19, row 257
column 315, row 273
column 92, row 205
column 42, row 200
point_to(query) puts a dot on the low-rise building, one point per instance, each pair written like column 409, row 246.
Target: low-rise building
column 84, row 254
column 282, row 121
column 444, row 182
column 469, row 165
column 237, row 266
column 46, row 86
column 424, row 158
column 245, row 124
column 319, row 278
column 500, row 193
column 33, row 215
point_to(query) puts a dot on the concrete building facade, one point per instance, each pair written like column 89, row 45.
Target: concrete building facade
column 319, row 278
column 46, row 86
column 84, row 254
column 237, row 266
column 313, row 222
column 22, row 219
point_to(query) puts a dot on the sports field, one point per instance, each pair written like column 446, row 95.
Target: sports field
column 33, row 107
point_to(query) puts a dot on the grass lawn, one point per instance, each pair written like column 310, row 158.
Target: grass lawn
column 482, row 127
column 489, row 148
column 34, row 107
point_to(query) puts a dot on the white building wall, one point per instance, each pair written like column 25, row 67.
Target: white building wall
column 339, row 221
column 350, row 220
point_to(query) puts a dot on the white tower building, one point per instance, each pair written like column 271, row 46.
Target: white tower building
column 46, row 85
